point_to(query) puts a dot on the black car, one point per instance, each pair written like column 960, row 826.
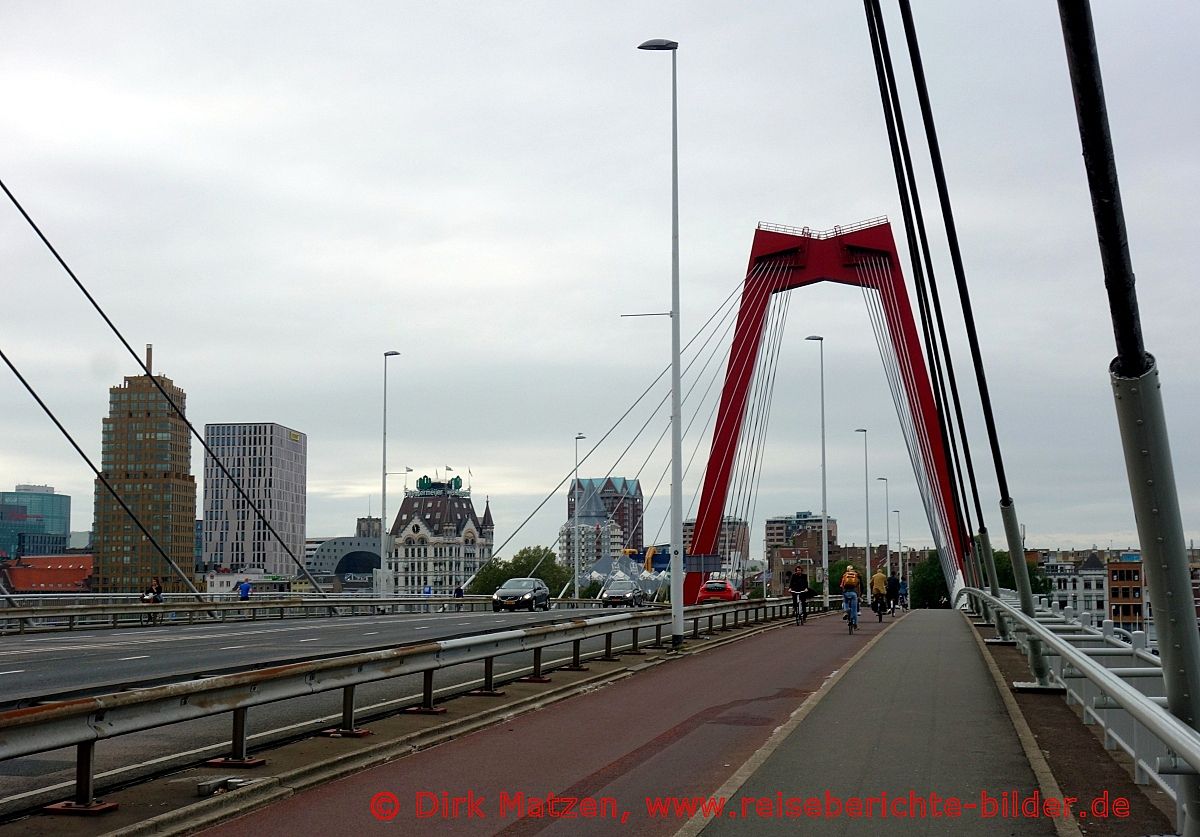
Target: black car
column 623, row 594
column 519, row 593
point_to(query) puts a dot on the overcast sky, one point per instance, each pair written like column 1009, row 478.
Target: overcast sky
column 274, row 194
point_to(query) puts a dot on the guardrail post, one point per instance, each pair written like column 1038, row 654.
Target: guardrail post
column 347, row 729
column 576, row 661
column 84, row 801
column 426, row 707
column 634, row 645
column 536, row 675
column 696, row 627
column 609, row 657
column 489, row 686
column 239, row 756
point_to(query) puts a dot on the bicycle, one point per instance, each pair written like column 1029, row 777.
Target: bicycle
column 799, row 607
column 851, row 600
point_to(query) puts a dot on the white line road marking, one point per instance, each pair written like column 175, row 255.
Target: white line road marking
column 14, row 671
column 421, row 628
column 313, row 639
column 230, row 647
column 139, row 657
column 370, row 633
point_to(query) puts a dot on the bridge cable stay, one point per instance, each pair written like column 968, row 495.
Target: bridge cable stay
column 952, row 564
column 175, row 407
column 903, row 163
column 727, row 357
column 877, row 274
column 498, row 553
column 757, row 291
column 688, row 395
column 1007, row 506
column 713, row 341
column 748, row 473
column 874, row 273
column 750, row 515
column 746, row 356
column 892, row 106
column 745, row 468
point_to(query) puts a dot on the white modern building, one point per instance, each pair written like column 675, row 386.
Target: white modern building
column 269, row 461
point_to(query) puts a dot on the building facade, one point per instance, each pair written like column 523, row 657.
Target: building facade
column 269, row 462
column 437, row 541
column 146, row 455
column 621, row 500
column 733, row 541
column 34, row 521
column 594, row 529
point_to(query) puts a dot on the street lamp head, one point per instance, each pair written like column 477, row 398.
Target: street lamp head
column 860, row 430
column 814, row 337
column 882, row 478
column 390, row 354
column 579, row 436
column 659, row 44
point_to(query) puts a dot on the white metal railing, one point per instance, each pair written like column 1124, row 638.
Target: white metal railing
column 1118, row 685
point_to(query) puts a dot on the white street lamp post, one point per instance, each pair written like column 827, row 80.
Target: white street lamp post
column 866, row 494
column 676, row 419
column 385, row 565
column 887, row 504
column 899, row 544
column 575, row 513
column 824, row 509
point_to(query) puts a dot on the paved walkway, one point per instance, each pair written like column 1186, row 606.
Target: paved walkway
column 775, row 716
column 912, row 739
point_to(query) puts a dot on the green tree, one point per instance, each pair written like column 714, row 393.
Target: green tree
column 530, row 562
column 1038, row 582
column 928, row 583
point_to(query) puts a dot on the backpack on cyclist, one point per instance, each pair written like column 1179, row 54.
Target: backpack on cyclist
column 850, row 580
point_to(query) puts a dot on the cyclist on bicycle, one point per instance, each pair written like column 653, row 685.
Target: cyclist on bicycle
column 798, row 585
column 904, row 594
column 893, row 592
column 879, row 592
column 850, row 584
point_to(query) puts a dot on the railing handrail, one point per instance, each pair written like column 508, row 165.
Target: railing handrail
column 1176, row 735
column 821, row 235
column 49, row 726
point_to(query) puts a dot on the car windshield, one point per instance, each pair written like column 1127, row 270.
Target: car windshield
column 620, row 587
column 519, row 584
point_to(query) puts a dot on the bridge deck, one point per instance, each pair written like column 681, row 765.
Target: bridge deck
column 916, row 712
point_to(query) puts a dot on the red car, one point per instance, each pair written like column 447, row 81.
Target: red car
column 717, row 590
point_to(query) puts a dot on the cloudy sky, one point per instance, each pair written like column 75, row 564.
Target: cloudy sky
column 274, row 194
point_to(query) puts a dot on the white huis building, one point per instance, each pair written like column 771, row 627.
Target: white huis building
column 269, row 461
column 437, row 541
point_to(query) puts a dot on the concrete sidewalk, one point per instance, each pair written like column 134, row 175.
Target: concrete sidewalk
column 917, row 718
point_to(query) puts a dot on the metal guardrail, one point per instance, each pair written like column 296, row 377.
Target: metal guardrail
column 1118, row 685
column 82, row 722
column 188, row 610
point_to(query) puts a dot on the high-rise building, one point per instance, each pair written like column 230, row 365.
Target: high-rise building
column 733, row 541
column 781, row 530
column 34, row 521
column 437, row 540
column 597, row 531
column 621, row 499
column 269, row 461
column 146, row 455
